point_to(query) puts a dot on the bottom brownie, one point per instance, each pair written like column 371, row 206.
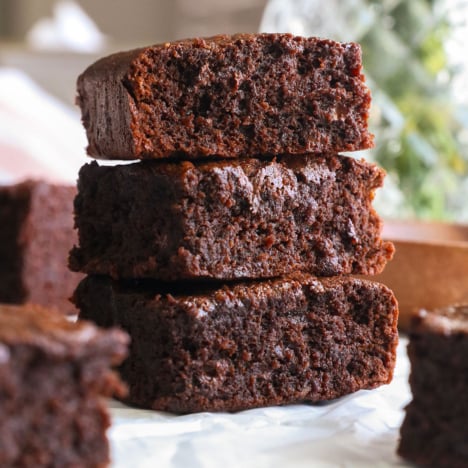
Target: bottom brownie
column 53, row 374
column 434, row 430
column 248, row 345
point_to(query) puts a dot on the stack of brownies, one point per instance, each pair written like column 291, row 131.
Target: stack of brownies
column 226, row 252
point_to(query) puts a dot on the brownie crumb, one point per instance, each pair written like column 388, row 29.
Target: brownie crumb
column 227, row 96
column 247, row 345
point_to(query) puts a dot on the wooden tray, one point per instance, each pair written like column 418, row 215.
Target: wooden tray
column 430, row 266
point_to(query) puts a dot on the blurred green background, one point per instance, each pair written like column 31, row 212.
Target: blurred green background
column 422, row 125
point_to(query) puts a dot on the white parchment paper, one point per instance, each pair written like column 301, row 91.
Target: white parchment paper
column 360, row 430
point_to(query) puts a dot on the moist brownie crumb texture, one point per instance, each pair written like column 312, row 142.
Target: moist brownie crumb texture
column 227, row 96
column 227, row 220
column 242, row 346
column 225, row 251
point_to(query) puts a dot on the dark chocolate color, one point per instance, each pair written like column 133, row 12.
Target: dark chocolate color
column 248, row 345
column 434, row 431
column 248, row 94
column 53, row 377
column 245, row 218
column 36, row 234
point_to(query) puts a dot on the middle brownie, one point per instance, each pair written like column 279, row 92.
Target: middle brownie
column 249, row 218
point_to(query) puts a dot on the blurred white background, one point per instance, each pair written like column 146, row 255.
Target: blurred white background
column 53, row 40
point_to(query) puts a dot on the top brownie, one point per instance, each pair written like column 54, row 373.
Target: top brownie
column 227, row 96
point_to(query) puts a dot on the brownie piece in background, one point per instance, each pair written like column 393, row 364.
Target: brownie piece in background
column 246, row 345
column 36, row 234
column 53, row 376
column 246, row 218
column 227, row 96
column 434, row 432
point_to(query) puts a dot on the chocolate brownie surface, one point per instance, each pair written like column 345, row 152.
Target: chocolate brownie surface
column 246, row 218
column 228, row 348
column 53, row 374
column 36, row 234
column 247, row 94
column 434, row 429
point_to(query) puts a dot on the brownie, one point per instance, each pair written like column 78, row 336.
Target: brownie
column 229, row 96
column 434, row 429
column 239, row 346
column 244, row 218
column 53, row 376
column 36, row 234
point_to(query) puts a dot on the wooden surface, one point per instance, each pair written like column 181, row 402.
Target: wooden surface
column 430, row 266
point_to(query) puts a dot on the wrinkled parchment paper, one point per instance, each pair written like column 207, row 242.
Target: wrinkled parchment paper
column 360, row 430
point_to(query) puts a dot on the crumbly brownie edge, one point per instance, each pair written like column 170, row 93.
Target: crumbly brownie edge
column 206, row 98
column 239, row 219
column 258, row 344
